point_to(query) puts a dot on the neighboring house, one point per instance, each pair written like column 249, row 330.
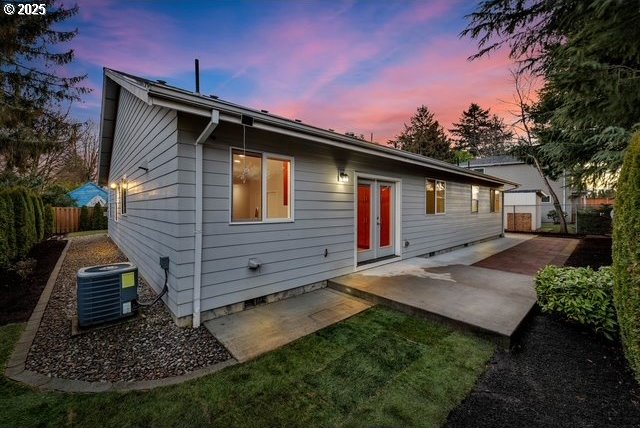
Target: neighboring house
column 523, row 209
column 511, row 168
column 253, row 207
column 89, row 194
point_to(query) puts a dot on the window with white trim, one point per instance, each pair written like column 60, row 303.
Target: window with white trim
column 495, row 200
column 261, row 187
column 475, row 192
column 435, row 191
column 123, row 196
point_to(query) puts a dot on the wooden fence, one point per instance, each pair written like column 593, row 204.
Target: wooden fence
column 66, row 219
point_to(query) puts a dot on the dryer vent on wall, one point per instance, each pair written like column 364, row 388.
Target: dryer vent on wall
column 106, row 293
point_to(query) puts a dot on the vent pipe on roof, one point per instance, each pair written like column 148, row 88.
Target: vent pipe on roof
column 197, row 76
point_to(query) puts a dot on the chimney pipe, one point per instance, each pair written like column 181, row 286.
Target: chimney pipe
column 197, row 76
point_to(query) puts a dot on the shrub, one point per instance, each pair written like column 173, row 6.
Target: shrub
column 553, row 216
column 98, row 218
column 56, row 196
column 85, row 219
column 626, row 254
column 48, row 220
column 7, row 236
column 579, row 294
column 594, row 220
column 20, row 220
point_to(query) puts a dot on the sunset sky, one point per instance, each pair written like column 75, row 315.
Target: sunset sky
column 352, row 66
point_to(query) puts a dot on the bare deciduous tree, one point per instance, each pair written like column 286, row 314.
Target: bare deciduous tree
column 526, row 145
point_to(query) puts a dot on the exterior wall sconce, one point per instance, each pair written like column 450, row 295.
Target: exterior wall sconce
column 343, row 177
column 113, row 185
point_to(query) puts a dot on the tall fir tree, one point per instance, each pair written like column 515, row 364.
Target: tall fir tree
column 425, row 136
column 588, row 54
column 480, row 133
column 35, row 92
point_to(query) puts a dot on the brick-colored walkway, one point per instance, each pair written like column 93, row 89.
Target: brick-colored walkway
column 532, row 255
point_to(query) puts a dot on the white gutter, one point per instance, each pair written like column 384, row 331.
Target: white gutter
column 197, row 251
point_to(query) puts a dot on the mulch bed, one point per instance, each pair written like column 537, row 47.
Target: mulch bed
column 147, row 347
column 557, row 375
column 19, row 296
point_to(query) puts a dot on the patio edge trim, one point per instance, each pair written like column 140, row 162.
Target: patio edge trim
column 15, row 368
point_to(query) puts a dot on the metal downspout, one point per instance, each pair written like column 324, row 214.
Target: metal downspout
column 197, row 253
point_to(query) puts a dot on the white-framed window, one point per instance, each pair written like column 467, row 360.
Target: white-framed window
column 124, row 189
column 475, row 192
column 113, row 212
column 435, row 192
column 495, row 200
column 261, row 187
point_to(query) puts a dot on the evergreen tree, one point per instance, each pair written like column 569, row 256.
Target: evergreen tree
column 425, row 136
column 34, row 91
column 481, row 134
column 589, row 56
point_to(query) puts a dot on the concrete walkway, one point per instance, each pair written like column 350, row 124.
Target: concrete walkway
column 256, row 331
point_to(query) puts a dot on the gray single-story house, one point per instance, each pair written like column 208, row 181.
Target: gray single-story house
column 252, row 207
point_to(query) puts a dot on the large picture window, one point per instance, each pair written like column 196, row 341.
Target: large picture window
column 475, row 192
column 436, row 196
column 261, row 187
column 495, row 201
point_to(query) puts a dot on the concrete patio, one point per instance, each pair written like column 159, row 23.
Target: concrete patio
column 256, row 331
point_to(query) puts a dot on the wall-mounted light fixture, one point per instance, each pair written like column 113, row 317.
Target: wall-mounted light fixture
column 343, row 177
column 113, row 185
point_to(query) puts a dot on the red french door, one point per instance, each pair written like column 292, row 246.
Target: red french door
column 375, row 219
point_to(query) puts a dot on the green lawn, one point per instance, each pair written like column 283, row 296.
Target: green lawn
column 555, row 228
column 380, row 368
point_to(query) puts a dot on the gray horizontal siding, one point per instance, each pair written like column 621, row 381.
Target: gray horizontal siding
column 292, row 254
column 155, row 224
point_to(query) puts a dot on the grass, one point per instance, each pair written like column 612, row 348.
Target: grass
column 86, row 233
column 380, row 368
column 555, row 228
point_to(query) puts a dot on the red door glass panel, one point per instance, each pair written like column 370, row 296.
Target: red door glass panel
column 385, row 216
column 364, row 216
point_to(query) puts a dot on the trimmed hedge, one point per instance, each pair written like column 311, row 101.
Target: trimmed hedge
column 21, row 224
column 579, row 294
column 49, row 221
column 626, row 254
column 594, row 220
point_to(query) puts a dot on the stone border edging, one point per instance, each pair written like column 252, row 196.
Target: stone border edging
column 15, row 368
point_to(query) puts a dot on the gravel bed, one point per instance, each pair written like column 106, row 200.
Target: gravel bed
column 150, row 346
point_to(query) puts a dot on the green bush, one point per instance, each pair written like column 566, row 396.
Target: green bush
column 48, row 220
column 7, row 241
column 21, row 224
column 579, row 294
column 98, row 218
column 85, row 219
column 594, row 220
column 626, row 254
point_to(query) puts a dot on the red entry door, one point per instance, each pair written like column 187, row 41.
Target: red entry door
column 375, row 219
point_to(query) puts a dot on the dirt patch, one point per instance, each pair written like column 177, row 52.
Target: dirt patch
column 594, row 251
column 148, row 347
column 557, row 375
column 19, row 296
column 530, row 256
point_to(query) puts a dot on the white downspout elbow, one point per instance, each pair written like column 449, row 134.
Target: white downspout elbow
column 197, row 253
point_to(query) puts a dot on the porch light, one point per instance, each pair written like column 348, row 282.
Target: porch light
column 343, row 177
column 113, row 185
